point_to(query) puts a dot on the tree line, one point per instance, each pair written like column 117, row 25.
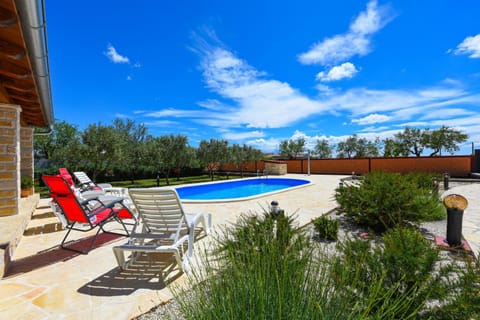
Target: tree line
column 409, row 142
column 126, row 150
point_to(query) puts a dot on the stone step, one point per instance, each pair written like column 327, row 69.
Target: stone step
column 12, row 229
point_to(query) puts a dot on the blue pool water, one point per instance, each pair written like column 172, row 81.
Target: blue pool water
column 237, row 189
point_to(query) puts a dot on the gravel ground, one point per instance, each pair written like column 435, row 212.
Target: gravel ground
column 429, row 229
column 167, row 311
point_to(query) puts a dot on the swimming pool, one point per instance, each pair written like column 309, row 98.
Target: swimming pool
column 236, row 190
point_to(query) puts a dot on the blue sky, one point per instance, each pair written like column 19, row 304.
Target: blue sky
column 259, row 72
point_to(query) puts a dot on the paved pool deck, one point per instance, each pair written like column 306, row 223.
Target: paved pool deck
column 46, row 282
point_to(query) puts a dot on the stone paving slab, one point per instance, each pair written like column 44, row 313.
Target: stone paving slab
column 11, row 230
column 471, row 215
column 46, row 282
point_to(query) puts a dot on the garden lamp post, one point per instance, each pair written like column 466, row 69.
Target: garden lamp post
column 455, row 205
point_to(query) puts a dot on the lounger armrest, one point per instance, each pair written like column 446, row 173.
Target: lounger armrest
column 91, row 193
column 204, row 218
column 114, row 202
column 87, row 200
column 111, row 202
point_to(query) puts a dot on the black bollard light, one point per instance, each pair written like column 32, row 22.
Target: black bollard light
column 446, row 178
column 455, row 205
column 274, row 209
column 435, row 184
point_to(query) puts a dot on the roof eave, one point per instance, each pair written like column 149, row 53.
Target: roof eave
column 33, row 23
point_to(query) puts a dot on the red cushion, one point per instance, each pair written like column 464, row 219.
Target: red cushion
column 123, row 213
column 99, row 215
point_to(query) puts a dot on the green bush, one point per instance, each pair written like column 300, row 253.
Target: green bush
column 423, row 180
column 326, row 228
column 404, row 263
column 385, row 200
column 409, row 258
column 460, row 298
column 26, row 182
column 265, row 268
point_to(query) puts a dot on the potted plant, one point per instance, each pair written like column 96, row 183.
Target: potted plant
column 26, row 185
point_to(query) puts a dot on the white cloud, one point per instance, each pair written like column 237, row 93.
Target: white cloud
column 255, row 102
column 324, row 89
column 371, row 20
column 356, row 41
column 162, row 123
column 402, row 103
column 345, row 70
column 336, row 49
column 243, row 135
column 374, row 129
column 470, row 46
column 114, row 56
column 311, row 140
column 447, row 113
column 247, row 98
column 266, row 145
column 212, row 104
column 372, row 119
column 177, row 113
column 260, row 102
column 122, row 116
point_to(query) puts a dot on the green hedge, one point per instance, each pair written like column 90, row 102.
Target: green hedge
column 385, row 200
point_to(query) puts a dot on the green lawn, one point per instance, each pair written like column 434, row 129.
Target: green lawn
column 146, row 183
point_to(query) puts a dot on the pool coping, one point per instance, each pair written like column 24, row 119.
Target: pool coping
column 244, row 198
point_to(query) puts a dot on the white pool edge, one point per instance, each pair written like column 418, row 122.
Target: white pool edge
column 266, row 194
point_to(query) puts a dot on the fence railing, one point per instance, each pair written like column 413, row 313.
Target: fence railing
column 458, row 166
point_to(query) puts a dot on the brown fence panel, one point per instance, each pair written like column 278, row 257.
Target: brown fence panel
column 255, row 166
column 339, row 166
column 459, row 166
column 332, row 166
column 294, row 166
column 228, row 167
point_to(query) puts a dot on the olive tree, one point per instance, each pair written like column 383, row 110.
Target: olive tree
column 394, row 148
column 292, row 148
column 413, row 139
column 61, row 146
column 212, row 153
column 166, row 153
column 444, row 138
column 100, row 147
column 416, row 140
column 131, row 150
column 355, row 147
column 241, row 155
column 323, row 149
